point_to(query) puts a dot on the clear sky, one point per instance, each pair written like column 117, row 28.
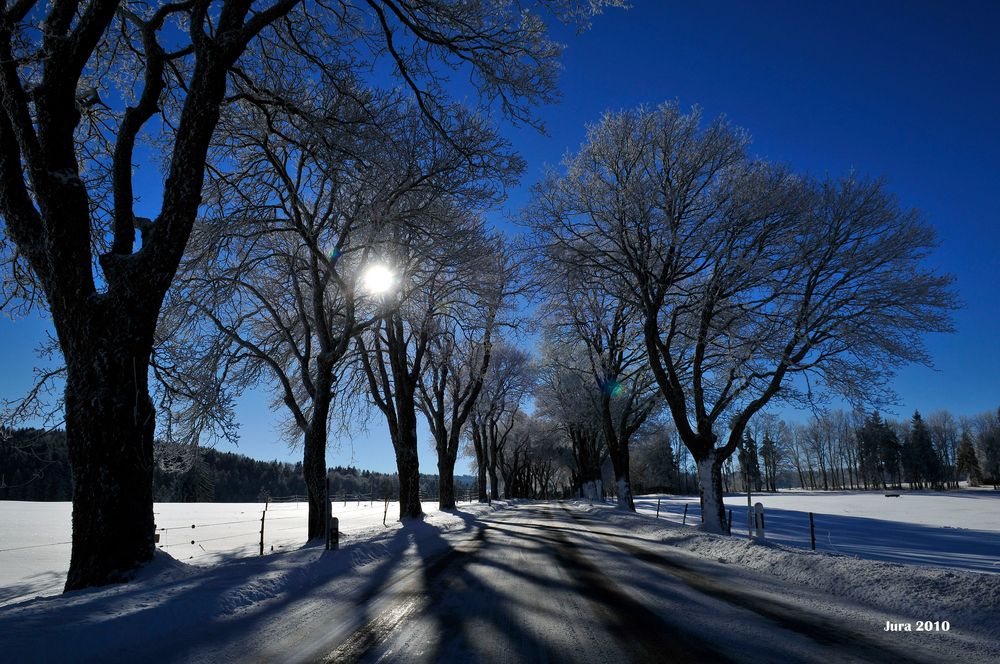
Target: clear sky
column 904, row 89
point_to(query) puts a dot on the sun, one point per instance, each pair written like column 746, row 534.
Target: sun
column 378, row 279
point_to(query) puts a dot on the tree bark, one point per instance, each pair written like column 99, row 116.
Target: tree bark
column 480, row 447
column 710, row 483
column 407, row 464
column 446, row 476
column 109, row 429
column 491, row 466
column 314, row 452
column 314, row 474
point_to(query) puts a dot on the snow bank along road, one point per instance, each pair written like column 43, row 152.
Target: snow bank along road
column 531, row 583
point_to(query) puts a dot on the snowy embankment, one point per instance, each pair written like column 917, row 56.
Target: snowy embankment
column 957, row 530
column 970, row 601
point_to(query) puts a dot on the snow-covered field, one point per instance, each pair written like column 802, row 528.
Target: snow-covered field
column 955, row 530
column 35, row 536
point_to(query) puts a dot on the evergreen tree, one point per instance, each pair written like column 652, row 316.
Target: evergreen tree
column 968, row 462
column 879, row 451
column 750, row 463
column 921, row 464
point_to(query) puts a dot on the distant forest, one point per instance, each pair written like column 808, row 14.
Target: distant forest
column 34, row 465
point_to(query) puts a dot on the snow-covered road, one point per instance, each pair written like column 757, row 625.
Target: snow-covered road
column 531, row 582
column 546, row 583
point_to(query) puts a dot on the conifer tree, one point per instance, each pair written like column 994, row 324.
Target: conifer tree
column 968, row 462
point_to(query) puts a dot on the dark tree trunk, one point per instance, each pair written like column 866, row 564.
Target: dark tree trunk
column 109, row 429
column 314, row 452
column 407, row 463
column 314, row 474
column 446, row 475
column 492, row 469
column 618, row 451
column 480, row 447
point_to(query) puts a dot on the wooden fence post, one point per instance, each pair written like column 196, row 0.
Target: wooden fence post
column 262, row 515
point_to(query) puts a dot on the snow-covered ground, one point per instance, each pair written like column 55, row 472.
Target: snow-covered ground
column 35, row 536
column 955, row 530
column 485, row 572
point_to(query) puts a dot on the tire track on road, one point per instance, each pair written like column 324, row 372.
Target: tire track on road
column 818, row 628
column 642, row 634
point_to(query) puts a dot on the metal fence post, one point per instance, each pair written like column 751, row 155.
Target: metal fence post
column 812, row 531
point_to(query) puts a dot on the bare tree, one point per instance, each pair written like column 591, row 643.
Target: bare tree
column 434, row 280
column 944, row 432
column 754, row 283
column 569, row 400
column 592, row 322
column 458, row 357
column 282, row 291
column 507, row 383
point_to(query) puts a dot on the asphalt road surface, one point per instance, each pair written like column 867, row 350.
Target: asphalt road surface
column 543, row 583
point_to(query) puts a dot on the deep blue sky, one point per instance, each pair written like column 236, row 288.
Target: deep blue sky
column 902, row 89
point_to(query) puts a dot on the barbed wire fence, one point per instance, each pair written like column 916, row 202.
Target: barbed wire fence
column 278, row 523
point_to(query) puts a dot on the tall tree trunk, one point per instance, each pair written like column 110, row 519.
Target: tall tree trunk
column 446, row 474
column 314, row 452
column 623, row 481
column 491, row 466
column 407, row 463
column 314, row 474
column 710, row 483
column 481, row 462
column 109, row 429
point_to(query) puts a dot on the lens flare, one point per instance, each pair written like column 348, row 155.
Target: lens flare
column 613, row 388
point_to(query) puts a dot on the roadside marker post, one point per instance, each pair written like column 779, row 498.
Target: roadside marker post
column 812, row 531
column 758, row 520
column 333, row 534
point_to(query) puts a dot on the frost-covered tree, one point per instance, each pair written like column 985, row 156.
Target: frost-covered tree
column 274, row 289
column 567, row 398
column 459, row 353
column 755, row 284
column 589, row 321
column 508, row 382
